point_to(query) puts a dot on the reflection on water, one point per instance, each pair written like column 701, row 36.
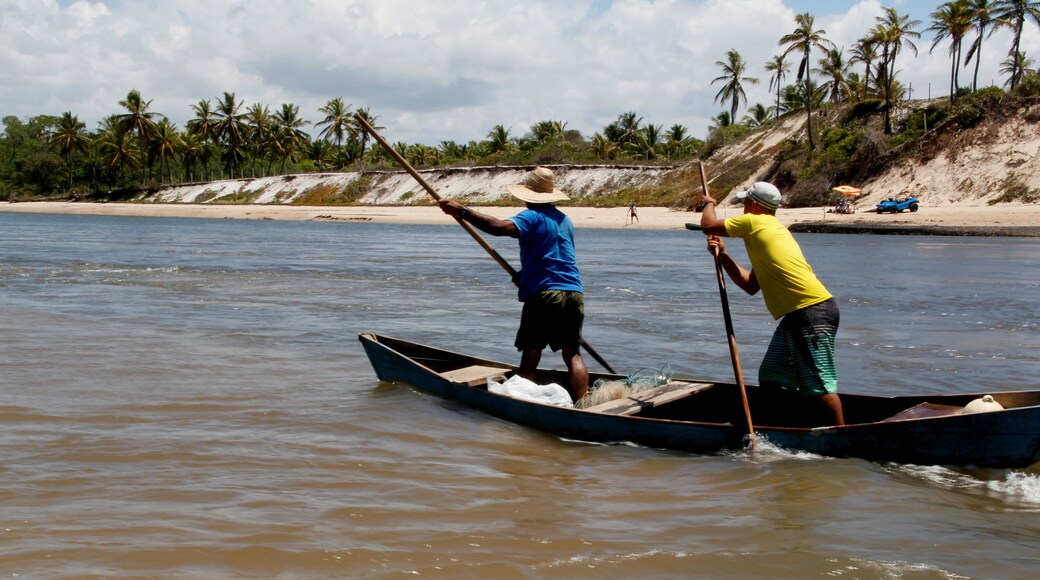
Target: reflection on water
column 188, row 397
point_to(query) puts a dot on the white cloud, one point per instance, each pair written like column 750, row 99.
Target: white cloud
column 431, row 71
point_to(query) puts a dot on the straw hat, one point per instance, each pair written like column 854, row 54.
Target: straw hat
column 537, row 188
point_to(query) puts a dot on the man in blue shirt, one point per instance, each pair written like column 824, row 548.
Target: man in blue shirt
column 549, row 282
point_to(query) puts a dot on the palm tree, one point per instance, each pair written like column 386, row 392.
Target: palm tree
column 195, row 151
column 951, row 20
column 629, row 125
column 338, row 122
column 647, row 142
column 259, row 129
column 758, row 115
column 115, row 149
column 547, row 131
column 205, row 121
column 289, row 135
column 498, row 139
column 982, row 19
column 230, row 129
column 363, row 135
column 1013, row 13
column 677, row 140
column 802, row 40
column 834, row 68
column 603, row 147
column 892, row 31
column 69, row 137
column 1011, row 66
column 163, row 146
column 319, row 152
column 138, row 119
column 732, row 77
column 778, row 68
column 864, row 51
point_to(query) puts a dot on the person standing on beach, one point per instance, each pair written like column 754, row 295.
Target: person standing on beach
column 633, row 218
column 549, row 282
column 801, row 353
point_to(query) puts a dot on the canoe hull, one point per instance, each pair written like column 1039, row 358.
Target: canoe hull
column 1003, row 439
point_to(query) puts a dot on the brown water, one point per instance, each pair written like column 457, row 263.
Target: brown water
column 187, row 398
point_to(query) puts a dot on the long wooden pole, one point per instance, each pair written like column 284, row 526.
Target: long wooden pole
column 465, row 225
column 734, row 355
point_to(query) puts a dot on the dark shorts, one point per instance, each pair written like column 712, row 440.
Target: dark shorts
column 801, row 354
column 553, row 318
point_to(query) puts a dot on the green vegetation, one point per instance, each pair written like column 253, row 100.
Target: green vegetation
column 137, row 149
column 1015, row 189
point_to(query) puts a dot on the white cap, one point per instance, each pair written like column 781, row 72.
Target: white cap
column 764, row 194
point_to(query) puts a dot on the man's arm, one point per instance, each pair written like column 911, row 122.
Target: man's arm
column 710, row 223
column 740, row 275
column 483, row 222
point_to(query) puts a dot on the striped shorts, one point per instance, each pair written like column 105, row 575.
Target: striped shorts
column 801, row 353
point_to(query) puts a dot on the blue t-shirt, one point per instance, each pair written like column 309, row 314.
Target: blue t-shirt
column 546, row 251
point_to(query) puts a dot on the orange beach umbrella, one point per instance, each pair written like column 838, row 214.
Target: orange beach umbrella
column 847, row 190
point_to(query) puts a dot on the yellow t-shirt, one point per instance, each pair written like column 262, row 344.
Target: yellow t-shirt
column 787, row 281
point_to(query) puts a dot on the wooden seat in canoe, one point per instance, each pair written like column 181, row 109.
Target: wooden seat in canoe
column 475, row 375
column 650, row 398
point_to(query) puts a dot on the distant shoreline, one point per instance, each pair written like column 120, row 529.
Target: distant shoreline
column 1016, row 220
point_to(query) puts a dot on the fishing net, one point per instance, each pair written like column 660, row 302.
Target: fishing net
column 604, row 390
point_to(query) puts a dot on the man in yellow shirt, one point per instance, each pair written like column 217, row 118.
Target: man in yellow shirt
column 801, row 353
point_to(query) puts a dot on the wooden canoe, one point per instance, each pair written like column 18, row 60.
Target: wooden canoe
column 707, row 417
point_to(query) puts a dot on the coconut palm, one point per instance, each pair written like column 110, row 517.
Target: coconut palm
column 778, row 69
column 892, row 31
column 117, row 151
column 205, row 121
column 604, row 147
column 802, row 40
column 498, row 139
column 230, row 130
column 338, row 122
column 985, row 25
column 195, row 151
column 547, row 131
column 647, row 142
column 732, row 79
column 677, row 141
column 1013, row 14
column 1011, row 66
column 138, row 120
column 833, row 67
column 362, row 136
column 288, row 134
column 952, row 20
column 258, row 134
column 452, row 150
column 320, row 153
column 163, row 147
column 864, row 51
column 69, row 137
column 629, row 124
column 758, row 115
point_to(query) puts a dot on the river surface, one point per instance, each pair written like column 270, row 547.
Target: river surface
column 187, row 398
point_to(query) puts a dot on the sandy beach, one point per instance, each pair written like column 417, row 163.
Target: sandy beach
column 1013, row 219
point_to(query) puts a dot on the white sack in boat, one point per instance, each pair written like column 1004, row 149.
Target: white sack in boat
column 518, row 387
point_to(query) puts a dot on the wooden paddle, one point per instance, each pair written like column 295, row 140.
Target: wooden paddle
column 465, row 225
column 734, row 355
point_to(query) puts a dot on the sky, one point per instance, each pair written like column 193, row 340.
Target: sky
column 431, row 70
